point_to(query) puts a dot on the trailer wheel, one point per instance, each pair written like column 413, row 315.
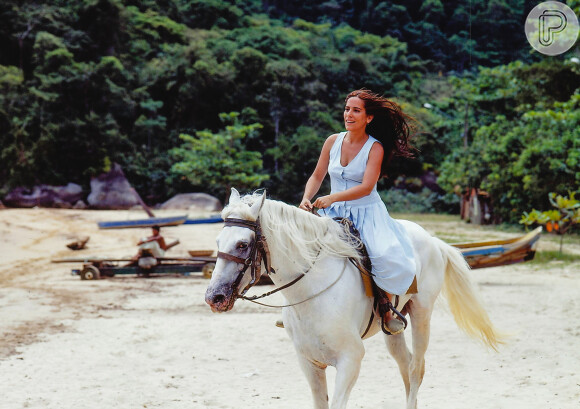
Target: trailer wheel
column 90, row 273
column 207, row 270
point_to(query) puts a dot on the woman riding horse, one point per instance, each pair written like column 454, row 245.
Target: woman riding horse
column 376, row 130
column 327, row 312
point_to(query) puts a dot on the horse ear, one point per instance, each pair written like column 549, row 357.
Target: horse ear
column 255, row 209
column 234, row 196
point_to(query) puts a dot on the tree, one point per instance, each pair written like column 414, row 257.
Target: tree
column 221, row 159
column 520, row 161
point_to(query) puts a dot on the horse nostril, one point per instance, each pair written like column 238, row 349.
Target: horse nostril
column 218, row 299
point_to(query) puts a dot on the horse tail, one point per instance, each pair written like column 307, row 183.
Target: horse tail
column 464, row 301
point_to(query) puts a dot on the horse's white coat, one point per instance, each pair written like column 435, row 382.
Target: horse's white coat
column 327, row 329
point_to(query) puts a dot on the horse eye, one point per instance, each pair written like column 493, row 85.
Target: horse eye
column 242, row 246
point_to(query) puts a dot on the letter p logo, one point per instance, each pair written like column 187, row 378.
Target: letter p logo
column 552, row 28
column 551, row 22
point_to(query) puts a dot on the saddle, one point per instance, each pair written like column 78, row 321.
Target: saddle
column 381, row 302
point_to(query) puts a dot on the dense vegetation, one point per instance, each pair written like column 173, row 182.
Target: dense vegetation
column 86, row 83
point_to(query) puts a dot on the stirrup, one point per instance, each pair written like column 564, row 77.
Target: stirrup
column 392, row 329
column 383, row 310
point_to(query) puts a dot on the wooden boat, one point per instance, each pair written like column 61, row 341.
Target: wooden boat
column 213, row 219
column 494, row 253
column 159, row 221
column 150, row 222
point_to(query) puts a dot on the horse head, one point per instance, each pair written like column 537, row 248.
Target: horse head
column 240, row 248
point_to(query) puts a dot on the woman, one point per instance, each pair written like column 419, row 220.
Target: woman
column 355, row 161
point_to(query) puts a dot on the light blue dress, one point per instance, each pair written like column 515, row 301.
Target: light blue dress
column 386, row 240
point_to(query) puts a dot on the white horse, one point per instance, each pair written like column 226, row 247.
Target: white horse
column 330, row 311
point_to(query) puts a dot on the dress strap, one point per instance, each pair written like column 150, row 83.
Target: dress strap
column 366, row 149
column 335, row 150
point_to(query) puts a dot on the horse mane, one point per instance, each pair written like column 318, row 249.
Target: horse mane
column 296, row 235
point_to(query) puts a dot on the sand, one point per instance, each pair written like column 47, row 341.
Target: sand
column 129, row 342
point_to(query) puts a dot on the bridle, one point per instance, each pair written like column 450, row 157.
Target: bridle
column 258, row 252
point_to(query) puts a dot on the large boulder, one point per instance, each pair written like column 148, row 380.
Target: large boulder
column 45, row 196
column 193, row 201
column 112, row 191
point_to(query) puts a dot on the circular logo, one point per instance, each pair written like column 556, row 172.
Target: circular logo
column 552, row 28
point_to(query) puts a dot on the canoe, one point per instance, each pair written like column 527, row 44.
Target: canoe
column 494, row 253
column 100, row 260
column 140, row 223
column 214, row 219
column 159, row 221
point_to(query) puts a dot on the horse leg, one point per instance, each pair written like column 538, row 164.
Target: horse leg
column 398, row 349
column 316, row 376
column 347, row 370
column 420, row 318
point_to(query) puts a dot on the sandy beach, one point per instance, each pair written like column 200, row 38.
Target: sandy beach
column 129, row 342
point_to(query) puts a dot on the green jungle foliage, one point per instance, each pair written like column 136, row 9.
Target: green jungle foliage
column 450, row 34
column 146, row 84
column 220, row 161
column 527, row 142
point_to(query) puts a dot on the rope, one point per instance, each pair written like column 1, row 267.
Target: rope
column 253, row 299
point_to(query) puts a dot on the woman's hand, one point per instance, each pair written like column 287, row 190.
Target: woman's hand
column 306, row 205
column 323, row 202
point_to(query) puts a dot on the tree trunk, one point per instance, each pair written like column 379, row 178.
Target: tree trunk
column 466, row 126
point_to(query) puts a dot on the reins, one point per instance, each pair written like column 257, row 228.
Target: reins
column 254, row 298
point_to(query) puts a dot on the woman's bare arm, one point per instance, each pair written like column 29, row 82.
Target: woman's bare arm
column 315, row 180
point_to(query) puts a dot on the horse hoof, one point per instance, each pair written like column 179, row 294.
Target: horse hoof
column 279, row 324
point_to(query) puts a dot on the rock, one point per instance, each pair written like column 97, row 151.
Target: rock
column 112, row 191
column 71, row 193
column 61, row 205
column 80, row 205
column 45, row 196
column 193, row 201
column 79, row 243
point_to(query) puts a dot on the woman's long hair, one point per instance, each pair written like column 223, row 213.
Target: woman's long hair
column 390, row 125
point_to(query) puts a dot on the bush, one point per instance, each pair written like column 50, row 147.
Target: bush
column 425, row 201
